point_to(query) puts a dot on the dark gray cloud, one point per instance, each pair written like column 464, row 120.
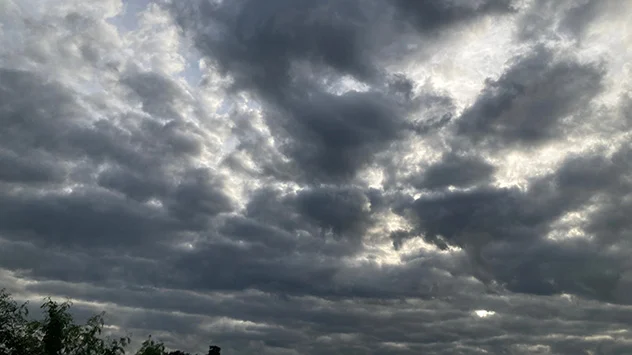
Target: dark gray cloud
column 34, row 112
column 156, row 93
column 197, row 197
column 454, row 170
column 570, row 19
column 579, row 17
column 323, row 212
column 339, row 211
column 340, row 181
column 34, row 168
column 436, row 15
column 563, row 267
column 257, row 44
column 80, row 218
column 529, row 103
column 505, row 230
column 44, row 121
column 288, row 52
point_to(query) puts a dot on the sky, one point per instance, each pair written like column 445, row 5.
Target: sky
column 323, row 176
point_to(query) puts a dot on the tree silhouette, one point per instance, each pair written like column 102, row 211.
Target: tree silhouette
column 58, row 334
column 151, row 347
column 17, row 335
column 56, row 327
column 178, row 352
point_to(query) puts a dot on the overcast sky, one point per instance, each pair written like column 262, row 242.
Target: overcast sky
column 324, row 176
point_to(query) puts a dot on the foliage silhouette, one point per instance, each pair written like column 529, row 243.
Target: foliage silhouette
column 58, row 334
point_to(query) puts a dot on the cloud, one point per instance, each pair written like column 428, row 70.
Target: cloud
column 532, row 100
column 309, row 177
column 431, row 16
column 514, row 226
column 562, row 18
column 340, row 211
column 454, row 170
column 290, row 56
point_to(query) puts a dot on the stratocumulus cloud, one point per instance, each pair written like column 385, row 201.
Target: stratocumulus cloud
column 324, row 177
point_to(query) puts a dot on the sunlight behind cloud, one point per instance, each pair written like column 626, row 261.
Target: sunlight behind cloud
column 481, row 313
